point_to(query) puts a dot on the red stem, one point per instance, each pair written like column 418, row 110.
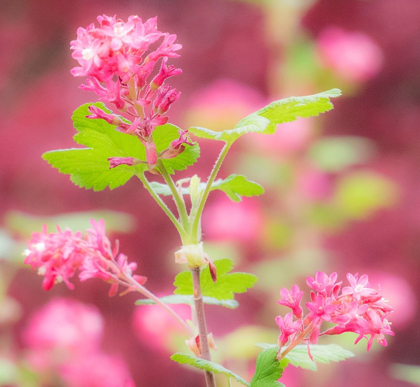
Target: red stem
column 201, row 322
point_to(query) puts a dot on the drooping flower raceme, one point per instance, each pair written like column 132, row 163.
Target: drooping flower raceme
column 58, row 256
column 357, row 308
column 118, row 61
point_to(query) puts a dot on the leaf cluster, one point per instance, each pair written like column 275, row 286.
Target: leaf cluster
column 89, row 167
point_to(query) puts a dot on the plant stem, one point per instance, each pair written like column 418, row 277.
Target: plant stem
column 133, row 95
column 212, row 177
column 141, row 289
column 201, row 322
column 180, row 204
column 163, row 206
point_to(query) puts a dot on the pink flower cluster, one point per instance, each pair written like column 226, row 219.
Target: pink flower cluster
column 355, row 308
column 58, row 256
column 63, row 343
column 352, row 55
column 115, row 59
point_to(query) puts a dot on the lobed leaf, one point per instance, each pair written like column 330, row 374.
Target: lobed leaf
column 266, row 119
column 268, row 369
column 299, row 357
column 188, row 300
column 224, row 288
column 234, row 186
column 202, row 364
column 89, row 167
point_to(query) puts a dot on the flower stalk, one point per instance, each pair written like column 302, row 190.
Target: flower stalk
column 196, row 224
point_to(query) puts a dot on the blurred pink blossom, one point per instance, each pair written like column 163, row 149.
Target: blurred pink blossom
column 155, row 326
column 65, row 324
column 314, row 184
column 353, row 55
column 290, row 137
column 227, row 220
column 223, row 103
column 398, row 291
column 63, row 338
column 96, row 370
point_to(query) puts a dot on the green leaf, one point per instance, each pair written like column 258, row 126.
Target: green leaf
column 163, row 189
column 179, row 299
column 236, row 186
column 268, row 369
column 163, row 136
column 299, row 357
column 89, row 167
column 266, row 119
column 202, row 364
column 223, row 289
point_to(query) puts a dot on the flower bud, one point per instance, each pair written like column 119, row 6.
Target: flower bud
column 100, row 114
column 194, row 344
column 116, row 161
column 151, row 153
column 192, row 254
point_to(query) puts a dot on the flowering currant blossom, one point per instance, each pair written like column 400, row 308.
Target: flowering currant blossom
column 292, row 300
column 118, row 61
column 358, row 308
column 59, row 255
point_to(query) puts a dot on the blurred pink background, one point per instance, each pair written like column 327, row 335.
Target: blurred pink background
column 342, row 189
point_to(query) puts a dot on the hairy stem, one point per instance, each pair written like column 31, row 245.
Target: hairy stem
column 180, row 204
column 196, row 223
column 163, row 206
column 201, row 322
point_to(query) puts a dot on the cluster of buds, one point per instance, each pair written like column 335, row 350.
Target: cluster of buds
column 58, row 256
column 355, row 308
column 116, row 60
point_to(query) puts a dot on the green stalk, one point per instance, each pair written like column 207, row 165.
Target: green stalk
column 180, row 204
column 163, row 206
column 196, row 223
